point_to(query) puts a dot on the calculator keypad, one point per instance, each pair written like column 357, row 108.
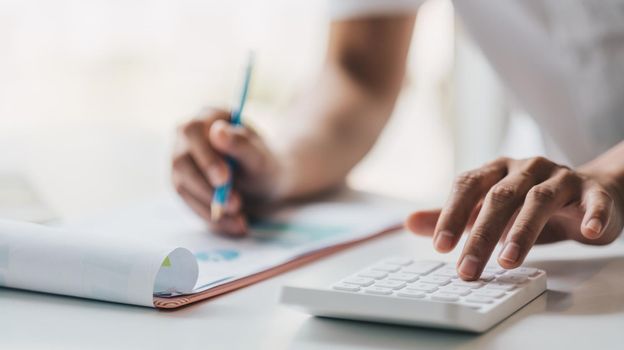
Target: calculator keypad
column 430, row 280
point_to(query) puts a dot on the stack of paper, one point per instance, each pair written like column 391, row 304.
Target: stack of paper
column 160, row 254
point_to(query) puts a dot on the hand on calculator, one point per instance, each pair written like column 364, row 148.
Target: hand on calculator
column 521, row 203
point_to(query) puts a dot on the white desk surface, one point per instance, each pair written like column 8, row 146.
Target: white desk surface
column 583, row 309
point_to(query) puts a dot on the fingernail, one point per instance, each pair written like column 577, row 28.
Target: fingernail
column 218, row 130
column 444, row 240
column 217, row 175
column 469, row 266
column 511, row 252
column 594, row 225
column 222, row 131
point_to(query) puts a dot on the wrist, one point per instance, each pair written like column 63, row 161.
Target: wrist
column 298, row 178
column 282, row 183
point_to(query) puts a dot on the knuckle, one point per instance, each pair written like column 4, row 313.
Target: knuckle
column 568, row 176
column 192, row 127
column 239, row 138
column 209, row 163
column 535, row 164
column 540, row 161
column 521, row 233
column 204, row 159
column 604, row 203
column 178, row 161
column 501, row 159
column 600, row 209
column 502, row 193
column 566, row 172
column 542, row 194
column 467, row 181
column 603, row 194
column 481, row 238
column 177, row 185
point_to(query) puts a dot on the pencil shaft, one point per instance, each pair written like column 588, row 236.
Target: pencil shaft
column 222, row 193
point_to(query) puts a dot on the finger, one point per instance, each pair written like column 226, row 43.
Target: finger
column 234, row 203
column 187, row 175
column 499, row 206
column 468, row 190
column 238, row 142
column 211, row 164
column 423, row 222
column 195, row 204
column 231, row 225
column 541, row 203
column 598, row 204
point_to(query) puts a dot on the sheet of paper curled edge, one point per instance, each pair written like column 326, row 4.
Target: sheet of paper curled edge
column 121, row 269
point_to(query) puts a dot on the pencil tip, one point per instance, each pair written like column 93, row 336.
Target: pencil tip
column 216, row 212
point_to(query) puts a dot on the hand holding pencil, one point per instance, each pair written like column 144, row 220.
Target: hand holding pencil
column 220, row 166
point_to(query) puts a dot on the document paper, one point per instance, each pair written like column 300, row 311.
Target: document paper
column 164, row 250
column 91, row 265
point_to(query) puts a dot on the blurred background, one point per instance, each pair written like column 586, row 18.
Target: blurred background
column 91, row 92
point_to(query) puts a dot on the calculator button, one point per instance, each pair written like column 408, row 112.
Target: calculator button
column 387, row 268
column 392, row 284
column 447, row 271
column 455, row 290
column 487, row 277
column 527, row 271
column 441, row 296
column 468, row 284
column 492, row 293
column 422, row 267
column 438, row 280
column 494, row 270
column 407, row 277
column 411, row 294
column 512, row 278
column 373, row 274
column 399, row 261
column 346, row 287
column 479, row 299
column 500, row 286
column 424, row 287
column 360, row 281
column 378, row 290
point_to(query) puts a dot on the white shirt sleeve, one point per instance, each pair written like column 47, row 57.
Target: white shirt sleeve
column 346, row 9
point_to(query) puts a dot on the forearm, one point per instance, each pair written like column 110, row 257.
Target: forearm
column 331, row 130
column 333, row 125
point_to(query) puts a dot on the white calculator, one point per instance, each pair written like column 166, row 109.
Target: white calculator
column 405, row 291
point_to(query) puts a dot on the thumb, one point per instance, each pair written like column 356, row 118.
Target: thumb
column 237, row 142
column 423, row 222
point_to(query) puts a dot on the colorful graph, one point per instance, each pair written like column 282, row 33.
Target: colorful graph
column 217, row 255
column 288, row 234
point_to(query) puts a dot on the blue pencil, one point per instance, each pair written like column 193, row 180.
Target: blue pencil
column 222, row 193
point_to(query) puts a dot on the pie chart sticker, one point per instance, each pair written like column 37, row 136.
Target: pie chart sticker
column 178, row 273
